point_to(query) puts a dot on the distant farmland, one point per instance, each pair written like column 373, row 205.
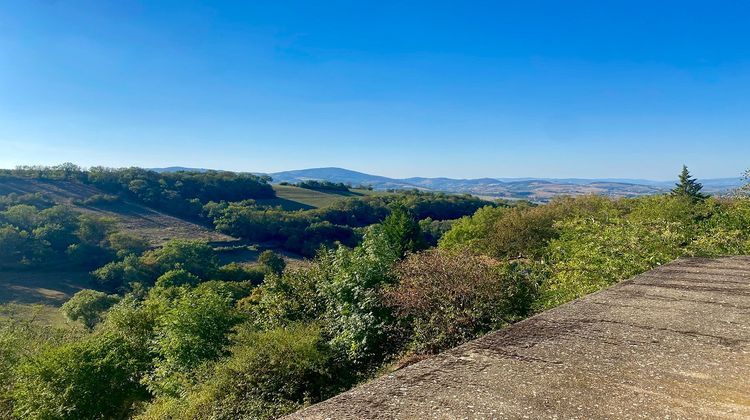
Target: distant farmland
column 294, row 198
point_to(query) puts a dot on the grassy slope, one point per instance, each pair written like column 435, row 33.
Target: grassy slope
column 295, row 198
column 37, row 293
column 133, row 218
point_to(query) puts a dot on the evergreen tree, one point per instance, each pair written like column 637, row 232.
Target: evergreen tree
column 402, row 231
column 688, row 187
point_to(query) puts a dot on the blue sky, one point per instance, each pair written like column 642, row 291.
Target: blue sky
column 459, row 89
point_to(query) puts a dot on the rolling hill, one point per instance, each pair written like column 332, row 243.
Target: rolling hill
column 156, row 226
column 290, row 197
column 535, row 189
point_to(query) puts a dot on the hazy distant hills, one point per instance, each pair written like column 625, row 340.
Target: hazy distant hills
column 535, row 189
column 170, row 169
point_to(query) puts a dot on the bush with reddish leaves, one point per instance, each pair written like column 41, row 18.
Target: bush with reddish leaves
column 446, row 298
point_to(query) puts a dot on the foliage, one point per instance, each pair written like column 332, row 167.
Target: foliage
column 191, row 331
column 196, row 257
column 262, row 341
column 176, row 278
column 306, row 231
column 688, row 187
column 20, row 340
column 34, row 232
column 267, row 375
column 97, row 377
column 519, row 232
column 450, row 297
column 433, row 230
column 324, row 185
column 591, row 254
column 401, row 232
column 355, row 316
column 101, row 200
column 239, row 272
column 285, row 299
column 125, row 244
column 88, row 306
column 181, row 193
column 744, row 191
column 117, row 274
column 272, row 262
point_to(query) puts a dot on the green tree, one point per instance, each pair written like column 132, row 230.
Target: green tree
column 197, row 257
column 688, row 187
column 125, row 244
column 94, row 230
column 16, row 247
column 96, row 378
column 287, row 298
column 193, row 330
column 402, row 232
column 356, row 317
column 268, row 374
column 176, row 278
column 117, row 274
column 88, row 306
column 272, row 262
column 22, row 216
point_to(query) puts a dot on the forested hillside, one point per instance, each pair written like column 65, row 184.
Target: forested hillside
column 174, row 332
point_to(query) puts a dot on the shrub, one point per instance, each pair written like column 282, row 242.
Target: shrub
column 592, row 254
column 125, row 244
column 193, row 330
column 88, row 306
column 272, row 262
column 522, row 232
column 176, row 278
column 268, row 374
column 239, row 272
column 451, row 297
column 285, row 299
column 196, row 257
column 98, row 377
column 116, row 274
column 355, row 317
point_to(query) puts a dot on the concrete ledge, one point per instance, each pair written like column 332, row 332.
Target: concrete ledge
column 673, row 342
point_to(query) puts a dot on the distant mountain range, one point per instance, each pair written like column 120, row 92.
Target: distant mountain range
column 535, row 189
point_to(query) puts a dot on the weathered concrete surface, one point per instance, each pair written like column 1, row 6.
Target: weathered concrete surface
column 671, row 343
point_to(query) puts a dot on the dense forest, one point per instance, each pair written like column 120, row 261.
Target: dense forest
column 170, row 332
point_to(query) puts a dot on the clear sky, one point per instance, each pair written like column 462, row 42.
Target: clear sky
column 458, row 89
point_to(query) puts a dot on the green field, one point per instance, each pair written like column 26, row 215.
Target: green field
column 294, row 198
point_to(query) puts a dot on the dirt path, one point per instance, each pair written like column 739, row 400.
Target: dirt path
column 671, row 343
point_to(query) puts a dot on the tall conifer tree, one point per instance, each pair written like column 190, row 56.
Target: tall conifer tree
column 688, row 187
